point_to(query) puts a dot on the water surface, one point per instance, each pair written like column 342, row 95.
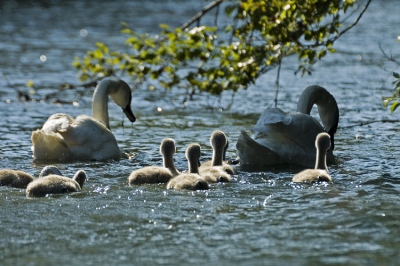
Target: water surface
column 261, row 217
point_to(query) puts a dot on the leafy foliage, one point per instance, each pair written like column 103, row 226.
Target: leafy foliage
column 214, row 59
column 393, row 101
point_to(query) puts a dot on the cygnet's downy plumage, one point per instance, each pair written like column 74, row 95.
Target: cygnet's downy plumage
column 56, row 184
column 191, row 180
column 157, row 174
column 320, row 173
column 215, row 172
column 15, row 178
column 50, row 170
column 216, row 139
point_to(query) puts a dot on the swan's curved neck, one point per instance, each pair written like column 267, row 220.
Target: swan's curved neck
column 193, row 166
column 168, row 162
column 100, row 103
column 314, row 95
column 327, row 107
column 217, row 157
column 321, row 161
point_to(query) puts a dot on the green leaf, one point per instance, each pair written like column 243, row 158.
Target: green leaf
column 394, row 106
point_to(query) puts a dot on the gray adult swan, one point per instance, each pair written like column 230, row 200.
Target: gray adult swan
column 289, row 138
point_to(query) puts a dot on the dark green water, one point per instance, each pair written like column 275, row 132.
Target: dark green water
column 260, row 218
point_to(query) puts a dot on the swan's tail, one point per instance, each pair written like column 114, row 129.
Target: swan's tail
column 253, row 153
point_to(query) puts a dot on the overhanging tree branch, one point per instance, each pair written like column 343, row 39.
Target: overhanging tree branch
column 200, row 14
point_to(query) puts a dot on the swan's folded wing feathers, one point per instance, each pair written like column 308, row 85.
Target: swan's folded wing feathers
column 58, row 123
column 49, row 145
column 272, row 116
column 82, row 131
column 252, row 152
column 89, row 139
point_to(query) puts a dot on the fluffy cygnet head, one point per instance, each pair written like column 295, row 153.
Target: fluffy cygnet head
column 167, row 147
column 323, row 142
column 50, row 170
column 193, row 153
column 218, row 140
column 80, row 177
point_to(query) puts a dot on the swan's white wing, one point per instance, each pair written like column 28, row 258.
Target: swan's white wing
column 88, row 138
column 49, row 146
column 57, row 123
column 63, row 138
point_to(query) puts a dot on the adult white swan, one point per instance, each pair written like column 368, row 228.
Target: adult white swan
column 85, row 138
column 288, row 138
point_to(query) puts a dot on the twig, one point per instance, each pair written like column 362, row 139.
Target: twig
column 371, row 122
column 86, row 85
column 21, row 94
column 390, row 58
column 229, row 106
column 200, row 14
column 277, row 81
column 333, row 39
column 354, row 23
column 216, row 16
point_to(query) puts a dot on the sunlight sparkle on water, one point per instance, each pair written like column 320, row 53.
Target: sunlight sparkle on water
column 83, row 32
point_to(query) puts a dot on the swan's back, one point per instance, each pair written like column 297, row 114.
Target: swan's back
column 219, row 143
column 276, row 128
column 157, row 174
column 214, row 174
column 50, row 170
column 191, row 180
column 15, row 178
column 150, row 175
column 188, row 181
column 56, row 184
column 312, row 176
